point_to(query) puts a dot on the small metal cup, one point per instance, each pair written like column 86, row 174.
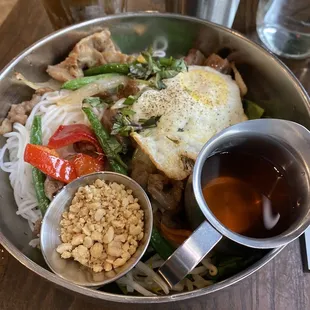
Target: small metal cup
column 284, row 143
column 50, row 232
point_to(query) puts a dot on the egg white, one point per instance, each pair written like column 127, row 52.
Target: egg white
column 195, row 105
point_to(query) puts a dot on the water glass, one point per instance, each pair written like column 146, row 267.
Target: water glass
column 66, row 12
column 284, row 27
column 63, row 13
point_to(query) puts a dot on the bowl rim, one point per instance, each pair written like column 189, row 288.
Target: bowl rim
column 46, row 274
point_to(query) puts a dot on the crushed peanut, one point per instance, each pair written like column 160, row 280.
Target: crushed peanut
column 103, row 226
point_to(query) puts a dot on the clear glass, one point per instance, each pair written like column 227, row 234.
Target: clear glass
column 284, row 27
column 66, row 12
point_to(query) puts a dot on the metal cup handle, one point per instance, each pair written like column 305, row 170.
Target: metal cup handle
column 189, row 254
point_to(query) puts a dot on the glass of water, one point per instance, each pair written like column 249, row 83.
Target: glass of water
column 284, row 27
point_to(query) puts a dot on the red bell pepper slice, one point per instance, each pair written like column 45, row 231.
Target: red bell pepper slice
column 85, row 164
column 48, row 162
column 69, row 134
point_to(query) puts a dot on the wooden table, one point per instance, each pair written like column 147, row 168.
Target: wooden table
column 279, row 285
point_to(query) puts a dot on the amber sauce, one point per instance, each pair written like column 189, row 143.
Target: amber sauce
column 248, row 194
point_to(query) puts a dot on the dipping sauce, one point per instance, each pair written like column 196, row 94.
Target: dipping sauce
column 248, row 194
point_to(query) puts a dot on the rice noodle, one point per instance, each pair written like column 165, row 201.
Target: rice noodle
column 212, row 268
column 127, row 280
column 200, row 282
column 157, row 264
column 155, row 277
column 179, row 287
column 198, row 270
column 189, row 285
column 153, row 259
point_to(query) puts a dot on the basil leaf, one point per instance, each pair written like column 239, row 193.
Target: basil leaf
column 138, row 70
column 163, row 68
column 127, row 112
column 93, row 101
column 159, row 84
column 130, row 100
column 149, row 123
column 179, row 65
column 124, row 126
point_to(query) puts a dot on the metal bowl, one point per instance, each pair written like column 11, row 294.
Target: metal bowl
column 269, row 82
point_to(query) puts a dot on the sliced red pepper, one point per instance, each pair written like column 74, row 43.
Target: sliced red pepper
column 69, row 134
column 85, row 164
column 48, row 161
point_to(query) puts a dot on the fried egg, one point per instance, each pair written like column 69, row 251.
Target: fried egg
column 193, row 107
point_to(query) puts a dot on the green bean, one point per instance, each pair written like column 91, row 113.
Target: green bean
column 109, row 144
column 80, row 82
column 38, row 177
column 160, row 244
column 108, row 68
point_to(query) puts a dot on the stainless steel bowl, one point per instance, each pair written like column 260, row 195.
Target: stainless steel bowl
column 269, row 82
column 50, row 232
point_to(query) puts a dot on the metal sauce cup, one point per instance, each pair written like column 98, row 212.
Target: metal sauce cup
column 284, row 143
column 50, row 232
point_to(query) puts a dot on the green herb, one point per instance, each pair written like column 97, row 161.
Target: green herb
column 94, row 102
column 252, row 110
column 109, row 144
column 173, row 64
column 130, row 100
column 149, row 123
column 127, row 112
column 38, row 177
column 179, row 65
column 164, row 75
column 123, row 125
column 159, row 84
column 162, row 68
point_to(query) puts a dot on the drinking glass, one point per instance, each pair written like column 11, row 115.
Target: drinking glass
column 66, row 12
column 284, row 27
